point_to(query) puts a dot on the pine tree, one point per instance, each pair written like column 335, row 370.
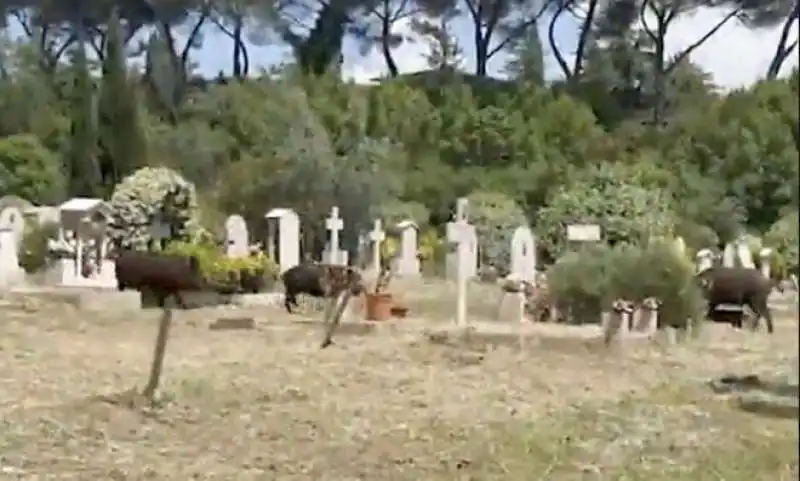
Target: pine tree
column 122, row 139
column 526, row 62
column 82, row 170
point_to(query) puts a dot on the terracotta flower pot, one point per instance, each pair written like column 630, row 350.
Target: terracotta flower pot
column 378, row 307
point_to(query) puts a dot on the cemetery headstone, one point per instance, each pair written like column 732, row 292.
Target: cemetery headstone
column 85, row 221
column 704, row 259
column 376, row 236
column 236, row 237
column 469, row 264
column 407, row 262
column 461, row 235
column 765, row 257
column 743, row 253
column 333, row 253
column 285, row 235
column 523, row 254
column 11, row 273
column 13, row 219
column 729, row 256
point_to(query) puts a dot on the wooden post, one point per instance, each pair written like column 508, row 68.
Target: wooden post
column 331, row 325
column 159, row 351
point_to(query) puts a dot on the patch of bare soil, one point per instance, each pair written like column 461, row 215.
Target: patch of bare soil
column 268, row 404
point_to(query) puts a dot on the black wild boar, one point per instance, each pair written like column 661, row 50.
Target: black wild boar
column 164, row 275
column 736, row 286
column 319, row 280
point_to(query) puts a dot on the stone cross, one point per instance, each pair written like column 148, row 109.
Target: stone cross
column 376, row 236
column 334, row 224
column 467, row 264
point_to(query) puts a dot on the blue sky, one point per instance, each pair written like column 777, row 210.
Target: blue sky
column 735, row 56
column 216, row 52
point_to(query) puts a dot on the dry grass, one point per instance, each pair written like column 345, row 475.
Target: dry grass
column 267, row 404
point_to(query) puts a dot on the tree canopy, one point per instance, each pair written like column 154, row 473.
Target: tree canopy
column 629, row 135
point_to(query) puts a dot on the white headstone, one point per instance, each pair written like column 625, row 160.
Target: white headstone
column 288, row 233
column 334, row 224
column 13, row 219
column 461, row 235
column 729, row 256
column 10, row 271
column 523, row 254
column 236, row 237
column 765, row 256
column 468, row 265
column 407, row 260
column 704, row 259
column 744, row 254
column 376, row 236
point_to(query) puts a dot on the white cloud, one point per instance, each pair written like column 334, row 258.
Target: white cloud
column 409, row 57
column 735, row 55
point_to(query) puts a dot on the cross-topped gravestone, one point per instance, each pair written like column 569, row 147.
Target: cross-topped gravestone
column 376, row 235
column 461, row 235
column 469, row 264
column 334, row 224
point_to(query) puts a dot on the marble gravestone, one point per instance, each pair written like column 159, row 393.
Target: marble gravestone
column 283, row 237
column 407, row 262
column 11, row 274
column 236, row 237
column 523, row 254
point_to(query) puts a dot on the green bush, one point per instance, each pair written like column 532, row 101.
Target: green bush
column 226, row 273
column 580, row 282
column 33, row 253
column 626, row 211
column 783, row 237
column 148, row 192
column 589, row 280
column 495, row 217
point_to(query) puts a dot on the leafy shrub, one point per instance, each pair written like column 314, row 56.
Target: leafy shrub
column 394, row 212
column 28, row 169
column 626, row 212
column 33, row 256
column 149, row 192
column 579, row 280
column 227, row 273
column 495, row 216
column 696, row 236
column 590, row 279
column 784, row 238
